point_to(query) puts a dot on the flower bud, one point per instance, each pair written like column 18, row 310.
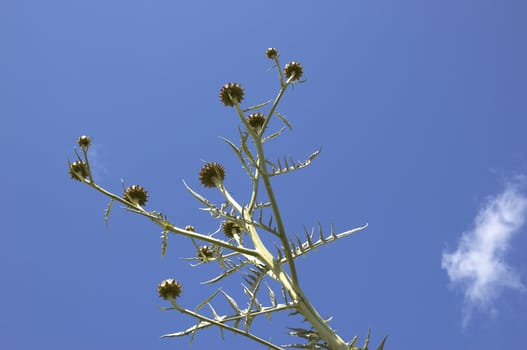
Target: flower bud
column 256, row 121
column 231, row 93
column 84, row 141
column 169, row 289
column 293, row 69
column 212, row 174
column 205, row 253
column 271, row 53
column 136, row 194
column 230, row 229
column 78, row 170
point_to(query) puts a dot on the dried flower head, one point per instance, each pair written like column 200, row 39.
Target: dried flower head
column 230, row 229
column 78, row 170
column 190, row 228
column 205, row 253
column 256, row 120
column 231, row 93
column 293, row 69
column 136, row 194
column 212, row 174
column 84, row 141
column 271, row 53
column 169, row 289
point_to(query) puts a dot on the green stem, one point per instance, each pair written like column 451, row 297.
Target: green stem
column 222, row 325
column 172, row 228
column 266, row 179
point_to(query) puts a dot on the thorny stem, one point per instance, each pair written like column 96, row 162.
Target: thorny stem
column 260, row 253
column 222, row 325
column 172, row 228
column 265, row 178
column 334, row 341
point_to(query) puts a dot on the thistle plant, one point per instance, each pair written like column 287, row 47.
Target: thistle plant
column 253, row 242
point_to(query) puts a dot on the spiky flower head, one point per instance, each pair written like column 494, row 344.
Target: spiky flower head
column 256, row 120
column 169, row 289
column 190, row 228
column 230, row 229
column 271, row 53
column 84, row 141
column 136, row 194
column 293, row 69
column 78, row 170
column 205, row 253
column 212, row 174
column 231, row 93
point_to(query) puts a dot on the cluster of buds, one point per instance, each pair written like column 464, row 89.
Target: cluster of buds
column 79, row 170
column 206, row 253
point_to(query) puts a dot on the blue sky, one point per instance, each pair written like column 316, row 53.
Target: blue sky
column 419, row 107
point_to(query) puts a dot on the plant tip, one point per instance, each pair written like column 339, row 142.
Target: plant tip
column 212, row 174
column 136, row 194
column 169, row 289
column 78, row 170
column 231, row 94
column 84, row 141
column 293, row 70
column 271, row 53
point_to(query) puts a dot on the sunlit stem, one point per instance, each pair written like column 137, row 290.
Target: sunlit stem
column 265, row 178
column 172, row 228
column 292, row 286
column 223, row 325
column 255, row 238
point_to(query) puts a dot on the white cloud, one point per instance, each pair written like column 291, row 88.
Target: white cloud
column 478, row 264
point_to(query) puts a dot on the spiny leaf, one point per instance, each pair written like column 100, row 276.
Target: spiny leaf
column 107, row 212
column 272, row 296
column 291, row 165
column 284, row 120
column 226, row 273
column 306, row 247
column 367, row 340
column 381, row 345
column 232, row 302
column 198, row 196
column 239, row 154
column 214, row 313
column 164, row 243
column 273, row 135
column 206, row 301
column 353, row 341
column 252, row 108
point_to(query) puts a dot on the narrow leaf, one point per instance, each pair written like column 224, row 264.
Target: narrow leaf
column 232, row 302
column 284, row 120
column 164, row 243
column 381, row 345
column 252, row 108
column 198, row 196
column 107, row 212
